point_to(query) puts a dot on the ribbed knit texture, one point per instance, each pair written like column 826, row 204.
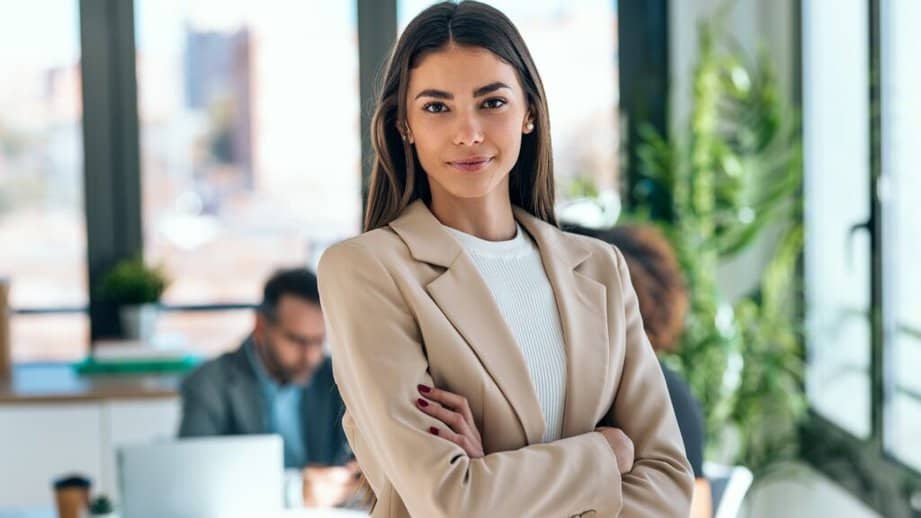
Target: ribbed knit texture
column 515, row 275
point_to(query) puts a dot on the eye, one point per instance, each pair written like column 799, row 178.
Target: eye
column 435, row 107
column 494, row 103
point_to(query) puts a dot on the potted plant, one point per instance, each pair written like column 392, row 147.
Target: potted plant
column 731, row 176
column 101, row 507
column 136, row 288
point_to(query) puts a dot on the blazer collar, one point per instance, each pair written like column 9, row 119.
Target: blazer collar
column 465, row 299
column 428, row 242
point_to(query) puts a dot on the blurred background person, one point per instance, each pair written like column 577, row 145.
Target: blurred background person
column 280, row 381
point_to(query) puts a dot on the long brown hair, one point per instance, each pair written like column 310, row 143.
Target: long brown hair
column 397, row 178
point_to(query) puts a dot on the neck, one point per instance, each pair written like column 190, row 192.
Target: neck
column 489, row 217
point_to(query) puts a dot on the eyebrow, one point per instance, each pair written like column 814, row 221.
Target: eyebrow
column 479, row 92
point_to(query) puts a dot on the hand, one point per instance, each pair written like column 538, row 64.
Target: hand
column 454, row 411
column 329, row 486
column 621, row 445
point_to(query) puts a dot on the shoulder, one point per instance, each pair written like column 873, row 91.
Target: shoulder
column 375, row 246
column 594, row 244
column 210, row 376
column 601, row 257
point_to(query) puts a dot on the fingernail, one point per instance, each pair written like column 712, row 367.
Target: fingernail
column 422, row 402
column 424, row 389
column 433, row 430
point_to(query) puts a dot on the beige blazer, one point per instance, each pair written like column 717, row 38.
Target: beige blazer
column 405, row 305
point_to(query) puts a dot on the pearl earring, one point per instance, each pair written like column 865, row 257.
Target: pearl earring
column 529, row 127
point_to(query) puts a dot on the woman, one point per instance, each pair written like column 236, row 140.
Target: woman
column 491, row 364
column 663, row 300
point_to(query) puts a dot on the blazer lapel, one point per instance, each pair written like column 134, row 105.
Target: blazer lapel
column 467, row 302
column 581, row 302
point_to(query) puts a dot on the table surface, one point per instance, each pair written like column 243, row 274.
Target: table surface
column 59, row 382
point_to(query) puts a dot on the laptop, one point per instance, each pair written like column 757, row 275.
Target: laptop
column 213, row 477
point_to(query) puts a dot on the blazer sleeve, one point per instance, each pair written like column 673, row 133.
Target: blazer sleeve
column 661, row 477
column 379, row 359
column 201, row 414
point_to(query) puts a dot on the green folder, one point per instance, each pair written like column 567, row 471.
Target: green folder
column 89, row 366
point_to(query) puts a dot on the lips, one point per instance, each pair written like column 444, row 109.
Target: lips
column 471, row 163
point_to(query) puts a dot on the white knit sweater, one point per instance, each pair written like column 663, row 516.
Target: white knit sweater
column 515, row 274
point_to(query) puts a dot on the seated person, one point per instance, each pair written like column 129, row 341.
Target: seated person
column 663, row 301
column 280, row 381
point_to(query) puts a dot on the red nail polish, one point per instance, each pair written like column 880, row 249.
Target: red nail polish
column 424, row 389
column 422, row 402
column 433, row 430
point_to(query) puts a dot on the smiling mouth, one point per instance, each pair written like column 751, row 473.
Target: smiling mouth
column 470, row 165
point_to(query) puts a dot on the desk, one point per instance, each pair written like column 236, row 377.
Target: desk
column 76, row 422
column 59, row 383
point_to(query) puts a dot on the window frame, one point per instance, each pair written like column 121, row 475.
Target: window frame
column 111, row 128
column 863, row 466
column 111, row 144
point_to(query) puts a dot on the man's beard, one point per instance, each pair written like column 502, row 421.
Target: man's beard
column 283, row 375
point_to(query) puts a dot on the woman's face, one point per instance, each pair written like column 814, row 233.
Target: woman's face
column 466, row 113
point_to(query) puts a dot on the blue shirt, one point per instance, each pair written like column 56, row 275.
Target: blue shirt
column 283, row 410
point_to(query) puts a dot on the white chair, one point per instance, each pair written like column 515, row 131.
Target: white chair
column 728, row 485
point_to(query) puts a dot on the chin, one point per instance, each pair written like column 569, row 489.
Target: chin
column 471, row 188
column 470, row 193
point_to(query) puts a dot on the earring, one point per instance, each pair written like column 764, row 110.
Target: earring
column 529, row 127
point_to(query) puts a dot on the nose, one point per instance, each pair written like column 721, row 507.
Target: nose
column 469, row 130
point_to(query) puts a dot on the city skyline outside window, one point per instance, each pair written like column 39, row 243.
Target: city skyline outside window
column 250, row 149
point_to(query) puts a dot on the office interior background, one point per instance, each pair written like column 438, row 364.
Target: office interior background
column 775, row 142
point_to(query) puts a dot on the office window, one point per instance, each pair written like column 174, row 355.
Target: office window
column 42, row 226
column 250, row 147
column 574, row 45
column 837, row 206
column 901, row 131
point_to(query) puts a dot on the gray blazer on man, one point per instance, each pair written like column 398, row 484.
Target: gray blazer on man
column 223, row 397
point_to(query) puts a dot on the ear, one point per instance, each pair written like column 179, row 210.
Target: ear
column 528, row 126
column 405, row 133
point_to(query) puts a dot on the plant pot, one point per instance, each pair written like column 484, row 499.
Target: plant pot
column 113, row 514
column 139, row 322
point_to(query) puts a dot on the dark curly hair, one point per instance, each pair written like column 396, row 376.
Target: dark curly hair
column 656, row 276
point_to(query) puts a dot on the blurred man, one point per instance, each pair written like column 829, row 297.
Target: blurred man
column 280, row 381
